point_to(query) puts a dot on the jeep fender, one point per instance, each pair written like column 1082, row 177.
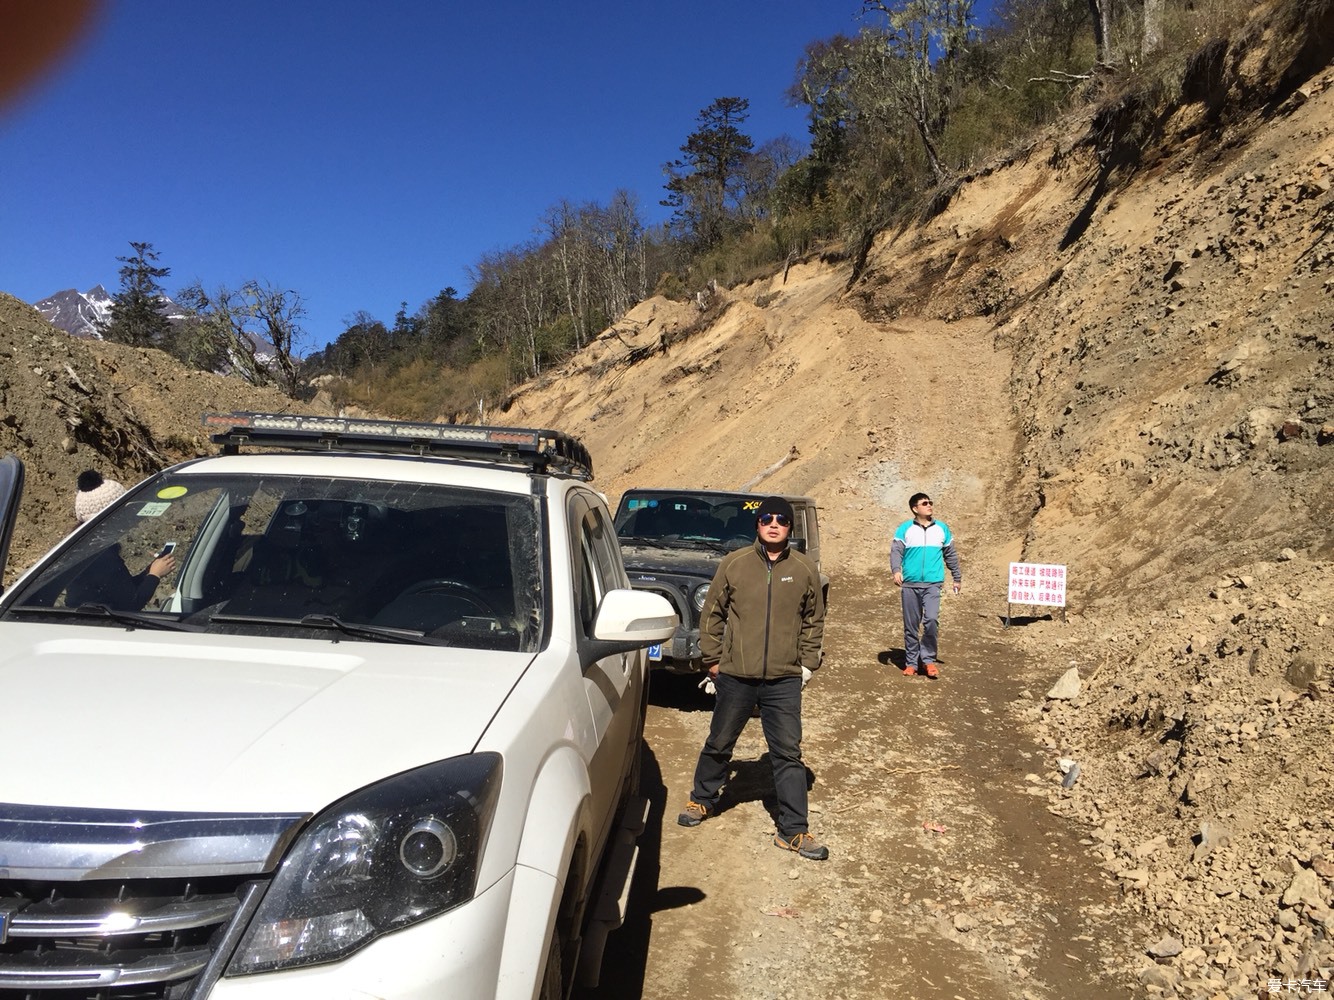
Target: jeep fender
column 556, row 821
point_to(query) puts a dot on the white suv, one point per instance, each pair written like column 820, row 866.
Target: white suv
column 377, row 735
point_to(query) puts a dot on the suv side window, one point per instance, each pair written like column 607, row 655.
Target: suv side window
column 586, row 590
column 606, row 550
column 598, row 567
column 588, row 574
column 799, row 526
column 808, row 517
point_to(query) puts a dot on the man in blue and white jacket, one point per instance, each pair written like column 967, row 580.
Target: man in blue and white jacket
column 921, row 550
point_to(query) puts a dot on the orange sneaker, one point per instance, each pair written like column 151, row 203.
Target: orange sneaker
column 932, row 672
column 910, row 671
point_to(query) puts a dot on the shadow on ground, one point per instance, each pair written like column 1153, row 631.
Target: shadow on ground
column 625, row 963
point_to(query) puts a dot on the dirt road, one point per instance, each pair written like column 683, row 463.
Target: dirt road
column 948, row 876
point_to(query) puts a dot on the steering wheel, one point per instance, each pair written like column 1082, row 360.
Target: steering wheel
column 457, row 588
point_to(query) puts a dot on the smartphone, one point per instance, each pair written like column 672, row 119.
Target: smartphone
column 167, row 549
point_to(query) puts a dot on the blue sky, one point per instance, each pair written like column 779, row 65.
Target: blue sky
column 366, row 154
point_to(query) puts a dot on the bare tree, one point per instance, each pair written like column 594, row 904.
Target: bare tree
column 926, row 39
column 1102, row 29
column 760, row 174
column 279, row 313
column 256, row 327
column 564, row 225
column 1153, row 27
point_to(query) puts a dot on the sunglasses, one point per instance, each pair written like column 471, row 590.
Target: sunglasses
column 925, row 503
column 782, row 520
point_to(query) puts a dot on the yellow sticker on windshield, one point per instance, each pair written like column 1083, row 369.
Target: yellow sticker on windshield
column 171, row 492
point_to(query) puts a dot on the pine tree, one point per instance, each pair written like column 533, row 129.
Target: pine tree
column 137, row 315
column 706, row 186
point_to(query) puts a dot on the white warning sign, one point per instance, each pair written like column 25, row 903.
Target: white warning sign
column 1037, row 583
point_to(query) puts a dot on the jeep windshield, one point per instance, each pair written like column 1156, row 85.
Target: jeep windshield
column 676, row 519
column 315, row 557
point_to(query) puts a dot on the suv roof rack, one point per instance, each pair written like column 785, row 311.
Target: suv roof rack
column 543, row 451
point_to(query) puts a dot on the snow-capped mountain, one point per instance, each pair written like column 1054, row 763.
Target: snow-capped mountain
column 79, row 313
column 76, row 312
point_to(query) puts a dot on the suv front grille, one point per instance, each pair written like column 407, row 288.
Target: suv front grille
column 102, row 904
column 142, row 939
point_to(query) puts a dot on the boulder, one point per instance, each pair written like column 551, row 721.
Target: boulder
column 1302, row 671
column 1067, row 687
column 1305, row 889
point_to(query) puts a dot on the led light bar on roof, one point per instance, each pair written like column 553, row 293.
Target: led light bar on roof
column 542, row 450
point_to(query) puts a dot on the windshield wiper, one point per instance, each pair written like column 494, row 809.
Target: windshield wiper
column 687, row 542
column 337, row 624
column 131, row 618
column 672, row 542
column 640, row 539
column 712, row 543
column 371, row 631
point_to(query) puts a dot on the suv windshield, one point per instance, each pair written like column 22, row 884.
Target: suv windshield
column 303, row 555
column 671, row 517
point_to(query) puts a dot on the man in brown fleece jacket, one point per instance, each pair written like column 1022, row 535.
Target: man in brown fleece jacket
column 760, row 636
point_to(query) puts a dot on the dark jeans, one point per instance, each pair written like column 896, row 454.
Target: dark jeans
column 921, row 612
column 780, row 716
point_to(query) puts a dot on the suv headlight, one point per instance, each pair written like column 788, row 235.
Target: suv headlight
column 698, row 595
column 400, row 851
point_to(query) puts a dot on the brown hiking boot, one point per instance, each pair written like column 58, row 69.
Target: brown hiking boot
column 804, row 844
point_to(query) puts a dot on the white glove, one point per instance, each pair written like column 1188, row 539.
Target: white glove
column 805, row 677
column 707, row 685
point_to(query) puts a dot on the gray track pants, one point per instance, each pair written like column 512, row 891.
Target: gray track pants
column 921, row 614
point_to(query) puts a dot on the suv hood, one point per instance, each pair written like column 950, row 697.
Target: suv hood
column 210, row 723
column 652, row 558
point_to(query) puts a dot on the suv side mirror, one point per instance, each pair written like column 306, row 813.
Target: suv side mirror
column 631, row 619
column 634, row 617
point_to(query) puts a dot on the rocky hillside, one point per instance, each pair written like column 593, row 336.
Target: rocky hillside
column 68, row 404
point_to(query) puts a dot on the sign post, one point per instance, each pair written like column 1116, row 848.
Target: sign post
column 1036, row 584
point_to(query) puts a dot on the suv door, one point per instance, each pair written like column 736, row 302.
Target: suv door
column 613, row 684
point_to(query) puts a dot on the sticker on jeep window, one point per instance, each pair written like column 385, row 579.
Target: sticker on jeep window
column 154, row 509
column 751, row 505
column 172, row 492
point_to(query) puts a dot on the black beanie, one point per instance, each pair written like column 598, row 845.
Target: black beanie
column 776, row 505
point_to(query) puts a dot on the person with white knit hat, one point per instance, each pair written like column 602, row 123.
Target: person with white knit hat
column 94, row 493
column 107, row 580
